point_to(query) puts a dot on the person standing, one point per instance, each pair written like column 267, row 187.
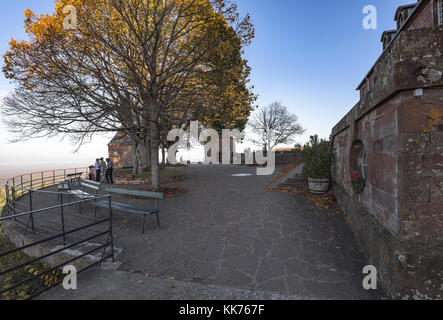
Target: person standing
column 109, row 171
column 98, row 170
column 103, row 170
column 91, row 173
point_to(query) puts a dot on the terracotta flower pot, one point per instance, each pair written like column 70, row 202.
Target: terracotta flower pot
column 318, row 186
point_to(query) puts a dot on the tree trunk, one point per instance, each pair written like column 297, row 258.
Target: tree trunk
column 163, row 157
column 142, row 154
column 155, row 143
column 155, row 174
column 143, row 157
column 134, row 154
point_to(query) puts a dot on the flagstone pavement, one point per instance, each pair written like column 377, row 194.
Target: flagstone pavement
column 229, row 238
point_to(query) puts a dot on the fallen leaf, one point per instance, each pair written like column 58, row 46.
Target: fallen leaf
column 333, row 270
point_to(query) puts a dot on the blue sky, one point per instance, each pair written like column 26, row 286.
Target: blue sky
column 310, row 55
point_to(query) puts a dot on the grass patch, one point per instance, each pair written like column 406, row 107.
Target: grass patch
column 14, row 277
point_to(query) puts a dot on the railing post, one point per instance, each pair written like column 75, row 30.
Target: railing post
column 63, row 218
column 31, row 215
column 43, row 185
column 13, row 191
column 13, row 198
column 110, row 228
column 31, row 187
column 31, row 208
column 21, row 181
column 7, row 198
column 53, row 177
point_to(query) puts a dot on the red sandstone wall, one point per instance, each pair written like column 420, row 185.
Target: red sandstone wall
column 378, row 132
column 403, row 139
column 421, row 167
column 402, row 131
column 425, row 18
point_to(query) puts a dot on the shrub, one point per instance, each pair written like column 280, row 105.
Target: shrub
column 317, row 158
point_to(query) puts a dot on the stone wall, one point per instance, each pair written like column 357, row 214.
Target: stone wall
column 425, row 18
column 403, row 139
column 287, row 158
column 399, row 124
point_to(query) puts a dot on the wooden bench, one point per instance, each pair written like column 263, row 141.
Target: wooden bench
column 70, row 178
column 83, row 195
column 144, row 211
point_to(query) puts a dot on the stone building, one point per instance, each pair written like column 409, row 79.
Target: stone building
column 393, row 138
column 121, row 151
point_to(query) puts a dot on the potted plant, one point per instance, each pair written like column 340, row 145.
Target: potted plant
column 317, row 164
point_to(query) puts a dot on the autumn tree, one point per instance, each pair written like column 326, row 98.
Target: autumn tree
column 134, row 66
column 274, row 125
column 67, row 85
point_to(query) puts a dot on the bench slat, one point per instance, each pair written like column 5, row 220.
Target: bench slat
column 91, row 186
column 92, row 182
column 139, row 193
column 126, row 207
column 81, row 194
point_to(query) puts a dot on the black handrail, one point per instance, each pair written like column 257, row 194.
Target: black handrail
column 33, row 187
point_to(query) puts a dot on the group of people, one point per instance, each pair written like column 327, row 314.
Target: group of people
column 102, row 171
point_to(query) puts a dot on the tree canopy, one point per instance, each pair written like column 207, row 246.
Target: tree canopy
column 139, row 67
column 274, row 125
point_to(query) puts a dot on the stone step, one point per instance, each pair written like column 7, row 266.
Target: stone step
column 296, row 180
column 289, row 185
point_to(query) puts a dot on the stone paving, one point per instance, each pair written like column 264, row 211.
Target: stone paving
column 229, row 231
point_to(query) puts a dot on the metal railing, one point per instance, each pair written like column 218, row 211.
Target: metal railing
column 18, row 186
column 48, row 225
